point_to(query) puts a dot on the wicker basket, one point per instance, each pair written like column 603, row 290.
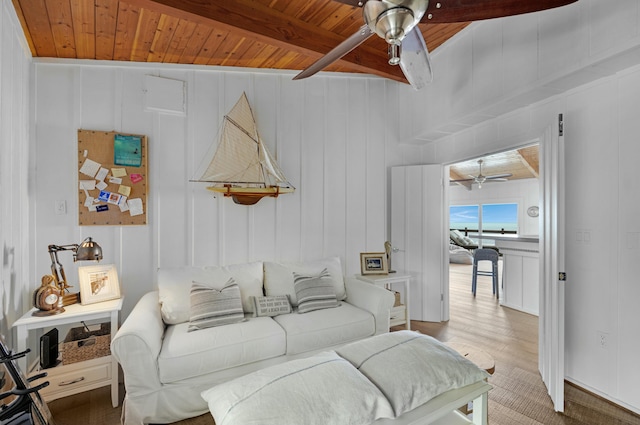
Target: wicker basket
column 80, row 345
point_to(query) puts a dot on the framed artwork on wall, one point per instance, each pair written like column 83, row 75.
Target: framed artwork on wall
column 373, row 263
column 98, row 283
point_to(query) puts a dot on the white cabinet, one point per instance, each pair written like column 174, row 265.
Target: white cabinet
column 399, row 314
column 77, row 377
column 520, row 274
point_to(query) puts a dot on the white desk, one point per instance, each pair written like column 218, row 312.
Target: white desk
column 77, row 377
column 399, row 315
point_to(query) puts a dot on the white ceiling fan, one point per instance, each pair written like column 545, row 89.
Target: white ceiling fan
column 396, row 21
column 480, row 179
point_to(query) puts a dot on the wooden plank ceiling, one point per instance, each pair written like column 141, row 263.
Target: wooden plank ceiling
column 522, row 163
column 276, row 34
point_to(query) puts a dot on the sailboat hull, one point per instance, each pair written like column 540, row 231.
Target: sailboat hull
column 250, row 195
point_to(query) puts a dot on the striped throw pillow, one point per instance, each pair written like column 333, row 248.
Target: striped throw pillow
column 314, row 292
column 212, row 307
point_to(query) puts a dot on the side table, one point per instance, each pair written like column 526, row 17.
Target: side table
column 400, row 314
column 78, row 377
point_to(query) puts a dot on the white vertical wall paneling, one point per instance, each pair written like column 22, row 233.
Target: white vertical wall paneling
column 14, row 167
column 626, row 320
column 56, row 156
column 335, row 167
column 265, row 107
column 330, row 142
column 171, row 181
column 312, row 189
column 356, row 176
column 414, row 246
column 204, row 125
column 609, row 27
column 375, row 163
column 601, row 132
column 433, row 279
column 138, row 244
column 519, row 44
column 398, row 223
column 563, row 39
column 487, row 63
column 291, row 137
column 595, row 121
column 98, row 88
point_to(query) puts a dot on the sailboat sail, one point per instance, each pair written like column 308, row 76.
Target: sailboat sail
column 242, row 166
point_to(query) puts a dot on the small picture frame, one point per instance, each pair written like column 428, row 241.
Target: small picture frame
column 98, row 283
column 373, row 263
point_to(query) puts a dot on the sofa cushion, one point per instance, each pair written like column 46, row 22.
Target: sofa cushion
column 214, row 307
column 314, row 292
column 187, row 354
column 174, row 286
column 278, row 277
column 324, row 328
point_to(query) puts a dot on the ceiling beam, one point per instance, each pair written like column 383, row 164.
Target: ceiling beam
column 530, row 160
column 455, row 176
column 259, row 22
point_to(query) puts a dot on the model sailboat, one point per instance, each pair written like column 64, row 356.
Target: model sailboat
column 242, row 167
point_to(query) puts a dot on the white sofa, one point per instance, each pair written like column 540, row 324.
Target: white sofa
column 166, row 366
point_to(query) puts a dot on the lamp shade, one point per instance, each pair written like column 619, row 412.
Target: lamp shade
column 88, row 251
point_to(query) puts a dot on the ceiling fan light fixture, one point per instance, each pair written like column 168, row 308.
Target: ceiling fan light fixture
column 393, row 24
column 394, row 52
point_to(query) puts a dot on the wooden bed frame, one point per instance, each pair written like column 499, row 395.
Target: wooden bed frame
column 443, row 409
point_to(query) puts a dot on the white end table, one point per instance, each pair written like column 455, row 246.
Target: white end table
column 400, row 314
column 65, row 380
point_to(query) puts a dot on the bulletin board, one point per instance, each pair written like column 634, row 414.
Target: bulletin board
column 112, row 178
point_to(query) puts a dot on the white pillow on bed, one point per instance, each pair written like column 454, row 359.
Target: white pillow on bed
column 321, row 390
column 411, row 368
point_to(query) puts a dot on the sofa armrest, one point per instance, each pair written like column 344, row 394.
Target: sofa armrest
column 374, row 299
column 137, row 344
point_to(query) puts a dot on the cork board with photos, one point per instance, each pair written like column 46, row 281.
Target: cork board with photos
column 112, row 178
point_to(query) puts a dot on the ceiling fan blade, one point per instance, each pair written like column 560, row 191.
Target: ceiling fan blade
column 476, row 10
column 339, row 51
column 414, row 59
column 461, row 180
column 498, row 176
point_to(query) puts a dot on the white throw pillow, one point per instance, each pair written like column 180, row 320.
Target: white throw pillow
column 278, row 277
column 174, row 286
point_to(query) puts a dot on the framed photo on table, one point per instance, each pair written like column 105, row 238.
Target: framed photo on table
column 373, row 263
column 98, row 283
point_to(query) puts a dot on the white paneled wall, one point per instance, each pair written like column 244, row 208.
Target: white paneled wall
column 569, row 58
column 496, row 66
column 332, row 136
column 14, row 166
column 602, row 226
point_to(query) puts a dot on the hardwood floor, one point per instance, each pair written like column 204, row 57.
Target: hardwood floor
column 511, row 337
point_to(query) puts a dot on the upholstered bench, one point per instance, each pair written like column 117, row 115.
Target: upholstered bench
column 397, row 378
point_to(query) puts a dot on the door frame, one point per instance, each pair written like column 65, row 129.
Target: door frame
column 553, row 376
